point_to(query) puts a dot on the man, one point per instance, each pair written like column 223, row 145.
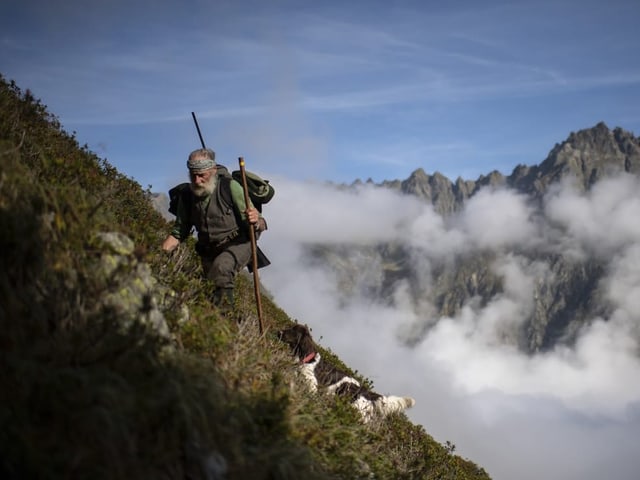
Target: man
column 215, row 206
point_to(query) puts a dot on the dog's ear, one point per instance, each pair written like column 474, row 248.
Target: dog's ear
column 300, row 335
column 306, row 330
column 305, row 341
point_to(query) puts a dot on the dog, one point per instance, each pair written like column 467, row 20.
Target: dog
column 319, row 374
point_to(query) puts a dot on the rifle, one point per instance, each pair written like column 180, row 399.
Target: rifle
column 198, row 129
column 252, row 233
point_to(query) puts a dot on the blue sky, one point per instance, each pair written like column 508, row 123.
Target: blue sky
column 327, row 90
column 345, row 90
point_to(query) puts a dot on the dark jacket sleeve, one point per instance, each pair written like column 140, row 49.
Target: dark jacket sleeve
column 182, row 226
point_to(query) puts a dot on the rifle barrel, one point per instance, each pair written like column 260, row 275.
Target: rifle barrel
column 195, row 120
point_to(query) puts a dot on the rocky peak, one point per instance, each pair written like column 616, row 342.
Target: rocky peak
column 494, row 179
column 586, row 155
column 436, row 189
column 598, row 137
column 590, row 154
column 417, row 184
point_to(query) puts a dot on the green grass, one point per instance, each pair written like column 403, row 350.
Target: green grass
column 82, row 397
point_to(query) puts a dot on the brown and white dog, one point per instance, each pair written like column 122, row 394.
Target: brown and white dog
column 319, row 374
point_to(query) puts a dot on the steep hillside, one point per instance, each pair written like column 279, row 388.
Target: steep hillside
column 113, row 363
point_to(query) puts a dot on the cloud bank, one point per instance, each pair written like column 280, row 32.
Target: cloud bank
column 569, row 413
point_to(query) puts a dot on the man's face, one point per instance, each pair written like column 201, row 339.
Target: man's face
column 203, row 183
column 201, row 178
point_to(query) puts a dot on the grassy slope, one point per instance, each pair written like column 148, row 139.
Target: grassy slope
column 80, row 398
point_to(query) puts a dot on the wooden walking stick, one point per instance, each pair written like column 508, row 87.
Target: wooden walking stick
column 254, row 248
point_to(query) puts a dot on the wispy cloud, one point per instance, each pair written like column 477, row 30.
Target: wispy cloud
column 473, row 386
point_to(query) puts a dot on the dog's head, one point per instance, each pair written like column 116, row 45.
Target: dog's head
column 299, row 339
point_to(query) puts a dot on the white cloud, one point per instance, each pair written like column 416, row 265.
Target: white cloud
column 600, row 221
column 577, row 408
column 497, row 219
column 624, row 282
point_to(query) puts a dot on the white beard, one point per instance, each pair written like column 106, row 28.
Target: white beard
column 205, row 189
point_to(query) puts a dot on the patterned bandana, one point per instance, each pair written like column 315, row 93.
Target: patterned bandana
column 198, row 165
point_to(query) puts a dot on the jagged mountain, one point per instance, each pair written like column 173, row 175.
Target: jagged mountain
column 568, row 291
column 588, row 155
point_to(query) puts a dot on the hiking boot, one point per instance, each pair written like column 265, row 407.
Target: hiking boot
column 223, row 299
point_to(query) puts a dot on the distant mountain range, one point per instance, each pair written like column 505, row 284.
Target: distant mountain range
column 588, row 155
column 568, row 292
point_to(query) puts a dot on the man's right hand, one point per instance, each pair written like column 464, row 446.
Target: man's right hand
column 170, row 243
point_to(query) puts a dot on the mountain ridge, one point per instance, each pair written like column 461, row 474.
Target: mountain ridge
column 565, row 298
column 588, row 154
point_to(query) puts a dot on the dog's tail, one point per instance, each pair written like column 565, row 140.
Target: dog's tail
column 387, row 405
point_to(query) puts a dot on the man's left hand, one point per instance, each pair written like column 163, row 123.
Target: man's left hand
column 253, row 215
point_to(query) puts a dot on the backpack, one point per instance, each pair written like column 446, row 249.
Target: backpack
column 260, row 190
column 177, row 192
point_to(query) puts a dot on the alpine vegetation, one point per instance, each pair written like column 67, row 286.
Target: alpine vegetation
column 114, row 362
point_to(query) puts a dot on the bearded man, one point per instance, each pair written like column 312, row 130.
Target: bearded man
column 214, row 204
